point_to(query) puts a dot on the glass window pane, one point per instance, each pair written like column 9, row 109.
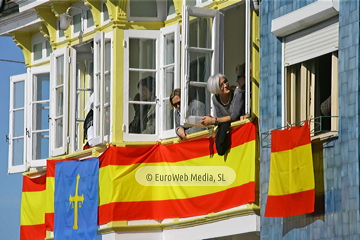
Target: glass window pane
column 60, row 70
column 48, row 48
column 59, row 101
column 40, row 145
column 170, row 7
column 61, row 32
column 107, row 88
column 77, row 22
column 41, row 87
column 168, row 115
column 107, row 55
column 142, row 118
column 19, row 94
column 18, row 152
column 168, row 81
column 41, row 116
column 107, row 121
column 37, row 51
column 18, row 127
column 105, row 12
column 200, row 65
column 59, row 132
column 90, row 19
column 142, row 53
column 143, row 8
column 134, row 91
column 200, row 32
column 191, row 2
column 198, row 96
column 169, row 49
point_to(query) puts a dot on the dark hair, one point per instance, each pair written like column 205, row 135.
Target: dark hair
column 176, row 92
column 148, row 82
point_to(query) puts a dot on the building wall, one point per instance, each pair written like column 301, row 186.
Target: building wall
column 336, row 168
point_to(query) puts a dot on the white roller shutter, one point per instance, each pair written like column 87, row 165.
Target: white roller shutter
column 312, row 42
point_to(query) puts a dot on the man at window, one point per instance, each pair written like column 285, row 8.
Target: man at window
column 144, row 119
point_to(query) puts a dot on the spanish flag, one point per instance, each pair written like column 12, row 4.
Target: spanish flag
column 178, row 180
column 291, row 184
column 32, row 222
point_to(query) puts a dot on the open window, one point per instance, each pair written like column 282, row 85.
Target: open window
column 148, row 82
column 59, row 108
column 141, row 82
column 38, row 116
column 200, row 58
column 29, row 133
column 17, row 131
column 311, row 90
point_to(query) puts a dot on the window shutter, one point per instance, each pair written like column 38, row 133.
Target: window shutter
column 311, row 42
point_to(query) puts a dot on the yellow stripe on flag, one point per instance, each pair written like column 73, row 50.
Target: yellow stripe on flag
column 291, row 171
column 118, row 183
column 32, row 208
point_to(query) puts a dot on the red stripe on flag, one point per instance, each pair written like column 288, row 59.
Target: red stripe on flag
column 32, row 232
column 295, row 137
column 290, row 204
column 194, row 149
column 215, row 202
column 34, row 184
column 49, row 221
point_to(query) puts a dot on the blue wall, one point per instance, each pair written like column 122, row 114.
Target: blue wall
column 336, row 168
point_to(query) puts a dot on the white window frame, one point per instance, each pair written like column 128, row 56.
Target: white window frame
column 99, row 87
column 215, row 49
column 173, row 29
column 36, row 39
column 86, row 19
column 161, row 11
column 139, row 34
column 11, row 167
column 307, row 84
column 34, row 71
column 55, row 151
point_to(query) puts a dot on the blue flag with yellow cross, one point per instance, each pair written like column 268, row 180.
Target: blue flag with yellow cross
column 76, row 199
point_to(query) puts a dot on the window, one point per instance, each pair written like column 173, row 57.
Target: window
column 200, row 58
column 148, row 115
column 311, row 88
column 105, row 12
column 41, row 47
column 89, row 19
column 102, row 88
column 29, row 119
column 60, row 32
column 77, row 23
column 196, row 2
column 149, row 10
column 59, row 108
column 17, row 130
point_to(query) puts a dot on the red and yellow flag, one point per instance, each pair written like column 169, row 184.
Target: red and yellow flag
column 177, row 180
column 32, row 222
column 291, row 184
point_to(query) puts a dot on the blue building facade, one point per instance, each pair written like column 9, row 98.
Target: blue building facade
column 336, row 159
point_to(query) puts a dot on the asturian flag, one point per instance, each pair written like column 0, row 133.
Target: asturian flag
column 76, row 199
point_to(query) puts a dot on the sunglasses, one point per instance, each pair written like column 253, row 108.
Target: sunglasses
column 175, row 104
column 223, row 83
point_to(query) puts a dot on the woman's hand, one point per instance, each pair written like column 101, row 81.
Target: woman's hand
column 181, row 133
column 207, row 120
